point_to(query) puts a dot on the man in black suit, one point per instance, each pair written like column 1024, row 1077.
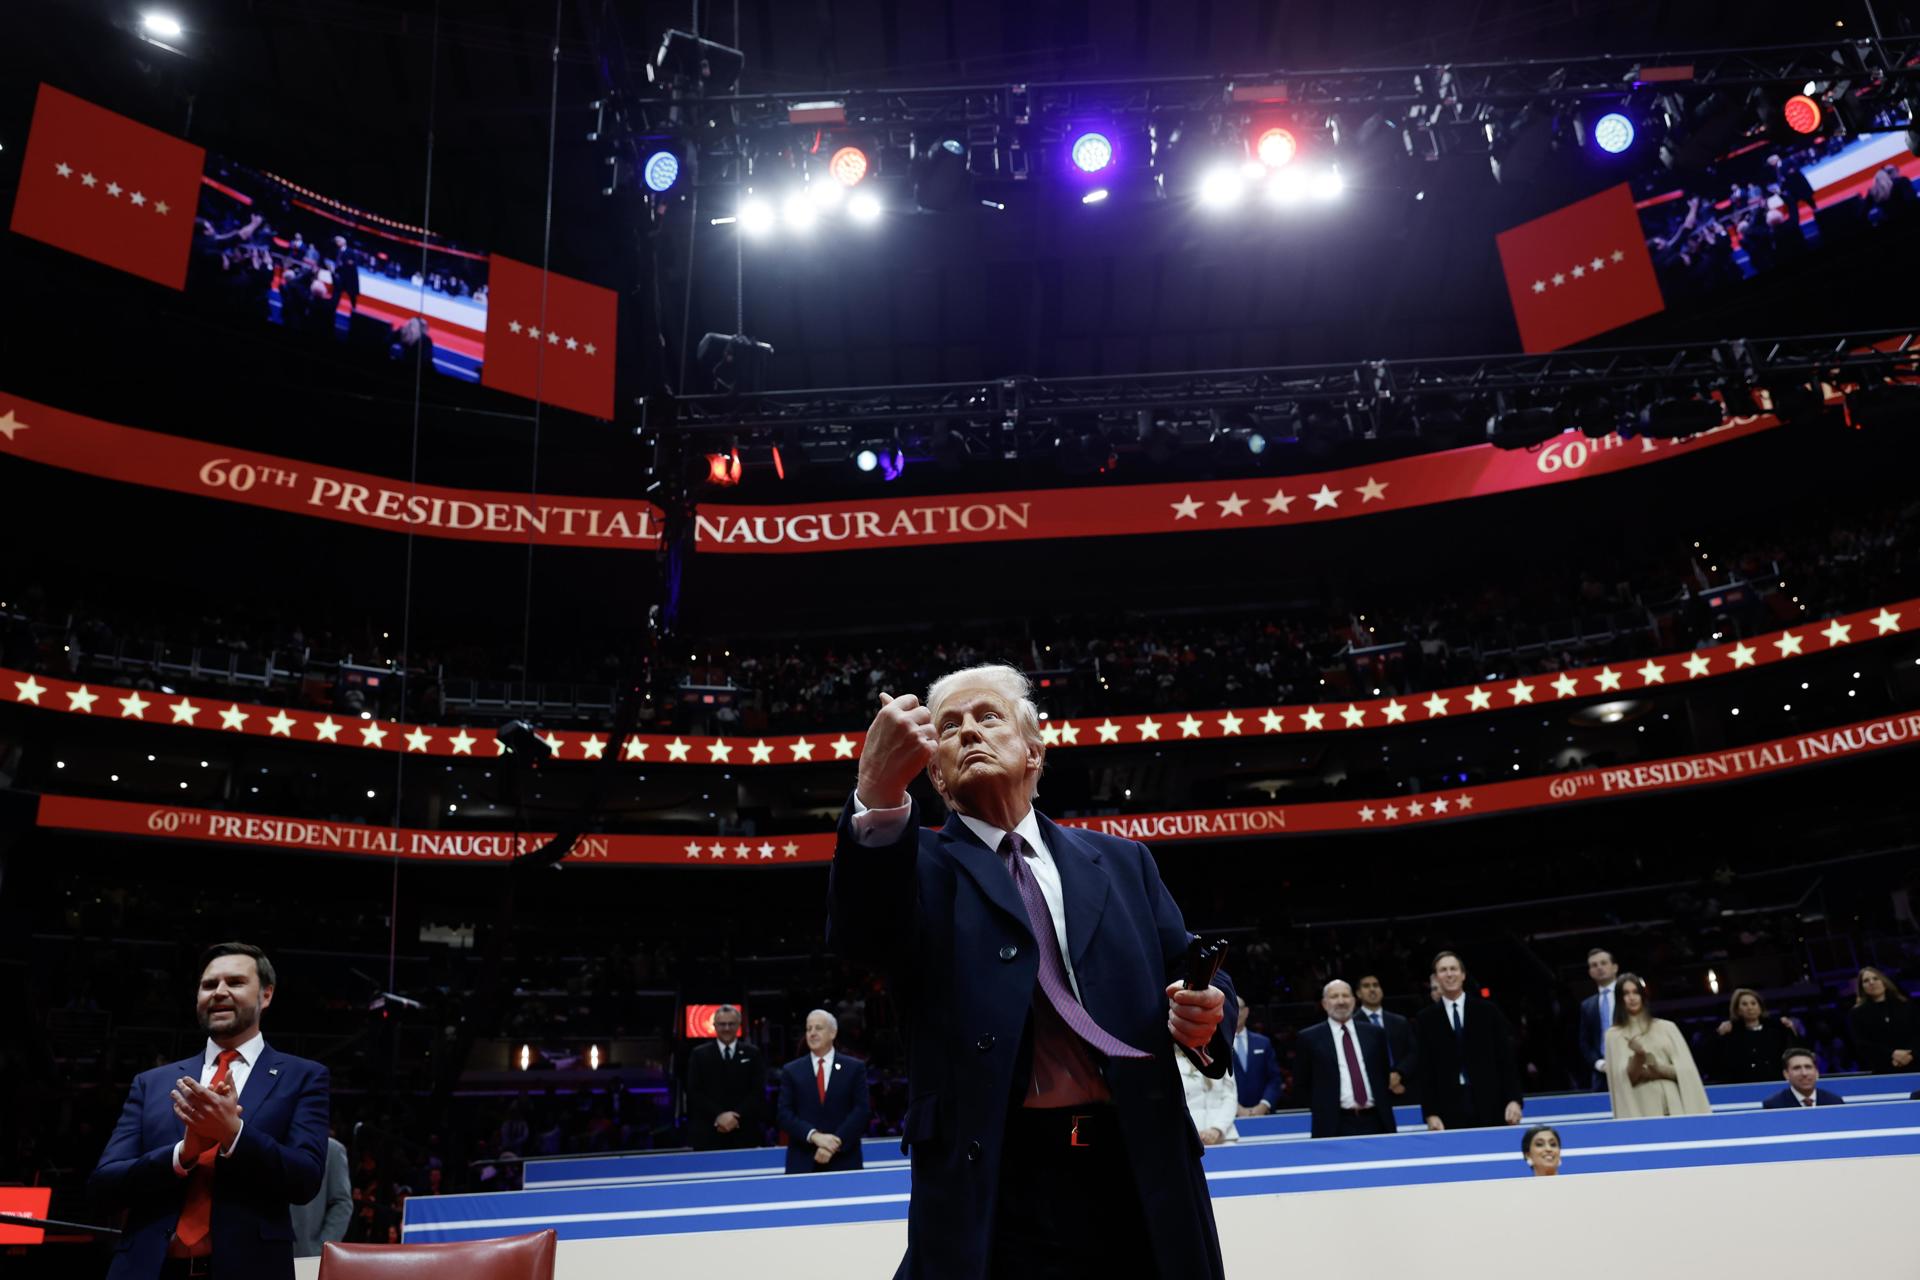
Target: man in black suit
column 1340, row 1069
column 824, row 1102
column 1803, row 1084
column 1468, row 1076
column 726, row 1088
column 1596, row 1015
column 1403, row 1059
column 1037, row 971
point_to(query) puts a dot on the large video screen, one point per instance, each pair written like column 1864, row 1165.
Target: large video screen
column 270, row 249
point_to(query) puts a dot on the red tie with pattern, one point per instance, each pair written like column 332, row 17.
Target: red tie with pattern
column 196, row 1210
column 820, row 1076
column 1353, row 1066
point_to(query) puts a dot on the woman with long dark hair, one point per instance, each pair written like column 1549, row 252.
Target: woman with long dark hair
column 1882, row 1022
column 1650, row 1070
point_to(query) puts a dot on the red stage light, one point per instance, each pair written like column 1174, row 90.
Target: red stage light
column 848, row 166
column 1275, row 147
column 724, row 468
column 779, row 466
column 1802, row 114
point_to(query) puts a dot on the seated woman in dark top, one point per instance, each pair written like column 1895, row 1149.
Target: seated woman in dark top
column 1884, row 1031
column 1751, row 1043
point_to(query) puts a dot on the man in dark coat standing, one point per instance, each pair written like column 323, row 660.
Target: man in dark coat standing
column 1403, row 1060
column 824, row 1104
column 1468, row 1076
column 1036, row 968
column 1340, row 1070
column 726, row 1089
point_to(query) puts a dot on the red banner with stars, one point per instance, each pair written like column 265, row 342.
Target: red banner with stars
column 1626, row 680
column 54, row 437
column 116, row 817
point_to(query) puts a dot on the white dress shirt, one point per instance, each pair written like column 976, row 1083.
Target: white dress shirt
column 820, row 1060
column 237, row 1074
column 1807, row 1099
column 876, row 827
column 1602, row 1006
column 1340, row 1031
column 1457, row 1004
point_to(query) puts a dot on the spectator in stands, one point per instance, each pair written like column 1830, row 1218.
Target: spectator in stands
column 1596, row 1014
column 1650, row 1070
column 1882, row 1023
column 1468, row 1076
column 1340, row 1070
column 1256, row 1072
column 1212, row 1103
column 326, row 1216
column 1540, row 1147
column 1402, row 1058
column 824, row 1103
column 726, row 1088
column 1802, row 1071
column 1750, row 1043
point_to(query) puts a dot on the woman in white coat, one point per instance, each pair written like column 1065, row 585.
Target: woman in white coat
column 1650, row 1070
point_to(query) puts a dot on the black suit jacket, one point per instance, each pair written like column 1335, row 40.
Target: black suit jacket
column 1493, row 1077
column 844, row 1112
column 1593, row 1041
column 1788, row 1100
column 939, row 913
column 1316, row 1074
column 1403, row 1052
column 715, row 1085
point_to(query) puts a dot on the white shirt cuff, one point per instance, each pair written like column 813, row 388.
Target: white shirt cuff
column 876, row 828
column 228, row 1149
column 179, row 1170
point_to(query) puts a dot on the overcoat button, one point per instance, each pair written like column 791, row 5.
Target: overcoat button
column 984, row 1043
column 973, row 1151
column 1009, row 951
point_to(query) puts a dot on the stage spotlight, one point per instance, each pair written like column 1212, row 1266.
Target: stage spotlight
column 724, row 468
column 1328, row 185
column 1256, row 443
column 661, row 171
column 1288, row 186
column 1095, row 196
column 164, row 25
column 733, row 361
column 866, row 460
column 1221, row 187
column 1613, row 133
column 1092, row 152
column 1802, row 114
column 941, row 179
column 1522, row 428
column 756, row 216
column 892, row 463
column 1671, row 417
column 864, row 207
column 799, row 213
column 1276, row 147
column 826, row 195
column 848, row 166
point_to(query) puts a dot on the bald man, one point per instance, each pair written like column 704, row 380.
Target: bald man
column 1340, row 1070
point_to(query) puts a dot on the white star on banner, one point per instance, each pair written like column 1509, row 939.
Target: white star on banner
column 1325, row 497
column 1050, row 734
column 328, row 730
column 1439, row 804
column 233, row 718
column 635, row 749
column 1436, row 706
column 1270, row 722
column 499, row 747
column 513, row 326
column 1189, row 727
column 162, row 208
column 553, row 338
column 1108, row 731
column 1608, row 679
column 1696, row 665
column 1479, row 699
column 1394, row 712
column 463, row 742
column 81, row 700
column 133, row 706
column 1464, row 802
column 1279, row 502
column 1565, row 686
column 1354, row 716
column 184, row 712
column 1366, row 813
column 761, row 752
column 138, row 198
column 280, row 725
column 1619, row 255
column 742, row 852
column 62, row 168
column 572, row 345
column 372, row 735
column 1579, row 271
column 802, row 750
column 1885, row 621
column 1559, row 278
column 677, row 750
column 765, row 851
column 1838, row 633
column 1416, row 808
column 1653, row 673
column 593, row 747
column 1598, row 264
column 1374, row 490
column 1230, row 723
column 1231, row 505
column 693, row 849
column 1788, row 643
column 790, row 850
column 1149, row 729
column 843, row 747
column 10, row 425
column 1186, row 509
column 1520, row 692
column 1310, row 718
column 1069, row 733
column 114, row 189
column 717, row 851
column 719, row 752
column 590, row 348
column 533, row 333
column 88, row 180
column 1391, row 812
column 554, row 743
column 1539, row 286
column 418, row 739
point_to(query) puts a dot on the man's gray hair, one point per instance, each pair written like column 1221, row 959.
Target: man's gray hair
column 832, row 1021
column 1011, row 684
column 1330, row 983
column 733, row 1009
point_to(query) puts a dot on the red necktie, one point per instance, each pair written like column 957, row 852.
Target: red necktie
column 1353, row 1067
column 196, row 1210
column 820, row 1076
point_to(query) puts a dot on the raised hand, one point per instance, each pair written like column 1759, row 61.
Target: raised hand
column 899, row 743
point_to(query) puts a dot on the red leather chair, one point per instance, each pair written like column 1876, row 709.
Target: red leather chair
column 528, row 1257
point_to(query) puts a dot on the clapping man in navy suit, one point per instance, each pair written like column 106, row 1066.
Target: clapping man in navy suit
column 823, row 1102
column 1255, row 1073
column 211, row 1153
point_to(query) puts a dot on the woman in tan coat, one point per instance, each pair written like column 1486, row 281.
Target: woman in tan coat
column 1650, row 1070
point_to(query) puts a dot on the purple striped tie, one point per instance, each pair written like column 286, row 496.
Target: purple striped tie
column 1053, row 970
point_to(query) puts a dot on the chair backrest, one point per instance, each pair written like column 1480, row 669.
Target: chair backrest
column 528, row 1257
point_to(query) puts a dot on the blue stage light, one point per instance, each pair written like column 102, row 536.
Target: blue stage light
column 1092, row 152
column 661, row 171
column 1613, row 133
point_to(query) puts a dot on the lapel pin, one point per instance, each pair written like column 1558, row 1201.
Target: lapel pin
column 273, row 1071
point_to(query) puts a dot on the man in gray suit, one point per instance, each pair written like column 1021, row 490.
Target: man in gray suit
column 325, row 1217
